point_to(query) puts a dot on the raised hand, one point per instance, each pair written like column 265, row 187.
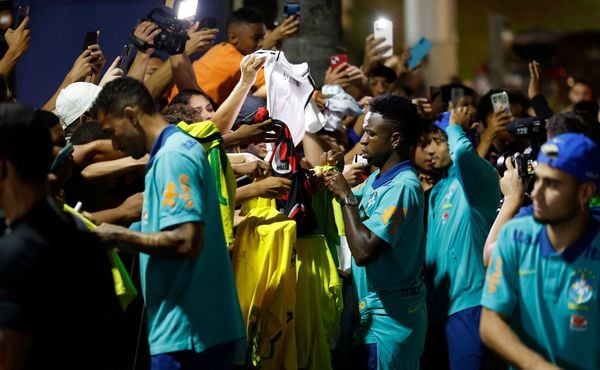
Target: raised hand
column 18, row 39
column 200, row 40
column 287, row 28
column 112, row 73
column 374, row 52
column 534, row 79
column 250, row 66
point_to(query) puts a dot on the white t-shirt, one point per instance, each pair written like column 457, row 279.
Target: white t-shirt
column 289, row 87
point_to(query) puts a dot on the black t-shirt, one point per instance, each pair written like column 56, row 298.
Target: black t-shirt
column 56, row 287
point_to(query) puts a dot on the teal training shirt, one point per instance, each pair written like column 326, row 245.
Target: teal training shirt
column 191, row 304
column 462, row 208
column 551, row 299
column 390, row 290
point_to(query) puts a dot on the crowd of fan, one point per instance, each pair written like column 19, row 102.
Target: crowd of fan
column 169, row 168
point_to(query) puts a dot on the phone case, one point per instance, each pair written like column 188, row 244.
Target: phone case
column 500, row 102
column 336, row 60
column 418, row 52
column 90, row 38
column 385, row 28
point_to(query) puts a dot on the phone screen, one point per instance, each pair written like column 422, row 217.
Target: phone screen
column 291, row 9
column 418, row 52
column 500, row 102
column 21, row 14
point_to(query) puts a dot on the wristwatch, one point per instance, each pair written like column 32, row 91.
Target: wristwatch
column 349, row 200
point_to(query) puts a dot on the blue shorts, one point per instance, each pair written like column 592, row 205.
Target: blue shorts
column 219, row 357
column 465, row 349
column 364, row 357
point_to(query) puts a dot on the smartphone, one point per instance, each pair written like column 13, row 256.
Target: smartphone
column 61, row 157
column 127, row 56
column 291, row 9
column 418, row 51
column 500, row 102
column 186, row 9
column 21, row 14
column 208, row 23
column 385, row 28
column 90, row 38
column 456, row 95
column 336, row 60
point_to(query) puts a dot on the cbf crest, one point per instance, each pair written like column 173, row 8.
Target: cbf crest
column 581, row 287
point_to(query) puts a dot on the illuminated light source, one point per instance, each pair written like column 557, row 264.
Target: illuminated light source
column 187, row 9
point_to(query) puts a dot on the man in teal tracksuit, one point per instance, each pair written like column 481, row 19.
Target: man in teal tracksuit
column 541, row 306
column 384, row 228
column 462, row 208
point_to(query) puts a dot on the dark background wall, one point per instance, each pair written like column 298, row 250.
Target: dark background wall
column 57, row 29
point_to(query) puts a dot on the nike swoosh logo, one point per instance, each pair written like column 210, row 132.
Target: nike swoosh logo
column 526, row 272
column 413, row 310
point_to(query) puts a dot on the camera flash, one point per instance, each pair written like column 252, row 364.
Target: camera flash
column 187, row 8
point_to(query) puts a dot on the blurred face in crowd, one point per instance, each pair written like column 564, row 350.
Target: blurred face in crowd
column 437, row 151
column 557, row 196
column 202, row 106
column 125, row 132
column 379, row 137
column 379, row 85
column 259, row 150
column 580, row 92
column 57, row 136
column 423, row 157
column 247, row 37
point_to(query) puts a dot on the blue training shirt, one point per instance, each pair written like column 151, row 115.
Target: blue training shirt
column 191, row 304
column 550, row 298
column 462, row 208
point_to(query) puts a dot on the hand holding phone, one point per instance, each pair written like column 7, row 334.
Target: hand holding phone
column 336, row 60
column 90, row 38
column 127, row 55
column 500, row 102
column 207, row 23
column 22, row 12
column 385, row 28
column 291, row 9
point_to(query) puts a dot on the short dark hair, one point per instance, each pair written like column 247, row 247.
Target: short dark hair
column 45, row 118
column 25, row 142
column 401, row 110
column 175, row 113
column 381, row 70
column 573, row 122
column 589, row 108
column 88, row 132
column 184, row 97
column 244, row 15
column 120, row 93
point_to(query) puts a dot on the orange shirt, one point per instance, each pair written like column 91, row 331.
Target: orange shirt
column 218, row 71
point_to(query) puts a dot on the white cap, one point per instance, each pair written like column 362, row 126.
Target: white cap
column 74, row 100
